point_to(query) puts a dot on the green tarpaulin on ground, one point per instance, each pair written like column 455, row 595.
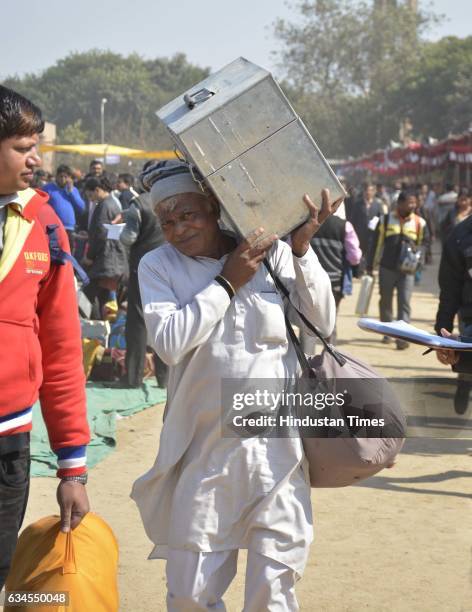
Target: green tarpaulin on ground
column 104, row 404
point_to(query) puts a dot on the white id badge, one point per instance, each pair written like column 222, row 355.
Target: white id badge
column 373, row 223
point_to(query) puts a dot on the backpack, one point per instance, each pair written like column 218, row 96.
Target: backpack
column 59, row 256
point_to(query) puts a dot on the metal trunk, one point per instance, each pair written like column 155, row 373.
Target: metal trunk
column 254, row 152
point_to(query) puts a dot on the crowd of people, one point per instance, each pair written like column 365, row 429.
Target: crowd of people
column 86, row 204
column 389, row 227
column 397, row 227
column 207, row 303
column 442, row 205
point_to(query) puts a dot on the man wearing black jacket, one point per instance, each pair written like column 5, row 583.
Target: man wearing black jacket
column 106, row 259
column 360, row 213
column 141, row 234
column 455, row 283
column 337, row 247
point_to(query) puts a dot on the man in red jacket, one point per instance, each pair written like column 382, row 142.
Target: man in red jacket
column 40, row 346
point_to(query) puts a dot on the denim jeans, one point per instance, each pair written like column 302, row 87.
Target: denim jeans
column 14, row 489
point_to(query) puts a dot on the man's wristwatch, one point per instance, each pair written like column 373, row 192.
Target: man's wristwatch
column 82, row 478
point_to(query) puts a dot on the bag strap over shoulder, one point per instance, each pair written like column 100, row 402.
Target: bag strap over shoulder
column 296, row 342
column 418, row 228
column 302, row 360
column 60, row 257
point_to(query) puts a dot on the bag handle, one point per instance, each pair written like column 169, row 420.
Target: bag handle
column 296, row 342
column 69, row 566
column 203, row 94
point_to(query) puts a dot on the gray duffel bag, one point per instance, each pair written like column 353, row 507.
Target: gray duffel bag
column 346, row 457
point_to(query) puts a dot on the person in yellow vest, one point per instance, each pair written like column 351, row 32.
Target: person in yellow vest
column 397, row 247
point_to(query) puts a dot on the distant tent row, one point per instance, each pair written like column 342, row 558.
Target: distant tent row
column 416, row 158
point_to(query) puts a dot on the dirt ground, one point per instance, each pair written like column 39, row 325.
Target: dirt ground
column 401, row 541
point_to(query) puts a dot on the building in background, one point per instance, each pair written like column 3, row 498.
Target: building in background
column 48, row 137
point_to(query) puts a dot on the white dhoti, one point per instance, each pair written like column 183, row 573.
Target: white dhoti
column 207, row 496
column 198, row 581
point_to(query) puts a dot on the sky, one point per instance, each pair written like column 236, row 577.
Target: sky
column 36, row 33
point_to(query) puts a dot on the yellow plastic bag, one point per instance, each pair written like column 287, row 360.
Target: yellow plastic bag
column 92, row 350
column 82, row 563
column 110, row 310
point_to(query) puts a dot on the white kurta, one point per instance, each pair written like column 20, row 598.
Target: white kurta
column 206, row 492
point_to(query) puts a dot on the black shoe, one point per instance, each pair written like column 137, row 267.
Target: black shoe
column 461, row 398
column 402, row 345
column 386, row 340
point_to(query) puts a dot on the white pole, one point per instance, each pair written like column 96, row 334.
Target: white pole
column 102, row 118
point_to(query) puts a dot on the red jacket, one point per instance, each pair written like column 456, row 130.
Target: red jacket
column 40, row 341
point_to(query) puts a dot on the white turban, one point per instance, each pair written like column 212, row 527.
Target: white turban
column 169, row 178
